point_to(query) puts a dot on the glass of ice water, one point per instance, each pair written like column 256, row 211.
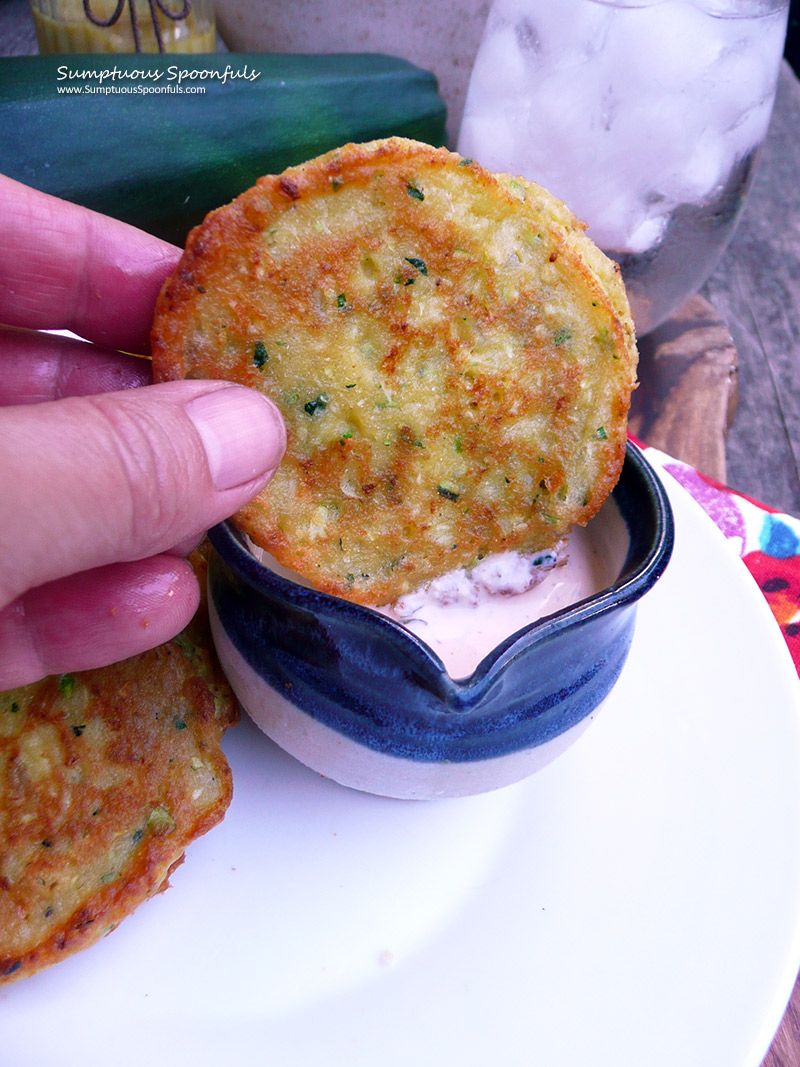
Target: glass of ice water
column 644, row 116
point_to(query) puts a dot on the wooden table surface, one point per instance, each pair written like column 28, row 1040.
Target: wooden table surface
column 721, row 382
column 756, row 291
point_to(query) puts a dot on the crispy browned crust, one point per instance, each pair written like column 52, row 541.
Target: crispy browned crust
column 106, row 777
column 452, row 355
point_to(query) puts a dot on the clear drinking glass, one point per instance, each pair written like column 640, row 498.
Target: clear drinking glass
column 124, row 25
column 644, row 116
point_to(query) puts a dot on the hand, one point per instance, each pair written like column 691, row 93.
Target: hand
column 103, row 484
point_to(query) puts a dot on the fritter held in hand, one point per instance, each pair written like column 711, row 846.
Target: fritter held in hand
column 106, row 776
column 453, row 357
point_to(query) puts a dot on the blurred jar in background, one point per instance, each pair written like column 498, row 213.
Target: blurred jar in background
column 644, row 116
column 124, row 25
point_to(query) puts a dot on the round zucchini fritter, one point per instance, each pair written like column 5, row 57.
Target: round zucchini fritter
column 106, row 776
column 451, row 353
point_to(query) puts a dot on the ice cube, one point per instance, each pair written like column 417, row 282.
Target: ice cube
column 645, row 236
column 661, row 48
column 493, row 138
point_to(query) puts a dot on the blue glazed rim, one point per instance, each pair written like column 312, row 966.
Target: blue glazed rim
column 371, row 680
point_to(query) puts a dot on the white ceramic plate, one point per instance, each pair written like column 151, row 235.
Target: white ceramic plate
column 636, row 902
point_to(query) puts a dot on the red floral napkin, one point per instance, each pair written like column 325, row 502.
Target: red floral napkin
column 767, row 541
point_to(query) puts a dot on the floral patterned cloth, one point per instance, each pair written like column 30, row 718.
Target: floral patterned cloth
column 767, row 541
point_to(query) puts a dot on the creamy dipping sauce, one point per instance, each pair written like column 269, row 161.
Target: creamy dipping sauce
column 463, row 615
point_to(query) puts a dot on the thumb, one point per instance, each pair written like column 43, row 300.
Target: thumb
column 88, row 481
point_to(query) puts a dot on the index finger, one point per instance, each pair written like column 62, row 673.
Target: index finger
column 65, row 267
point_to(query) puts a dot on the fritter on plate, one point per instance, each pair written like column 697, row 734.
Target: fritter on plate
column 453, row 357
column 106, row 776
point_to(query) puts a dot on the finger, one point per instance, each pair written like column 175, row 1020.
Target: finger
column 88, row 481
column 64, row 267
column 186, row 547
column 95, row 618
column 40, row 366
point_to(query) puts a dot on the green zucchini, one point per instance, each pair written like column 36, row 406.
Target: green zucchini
column 162, row 160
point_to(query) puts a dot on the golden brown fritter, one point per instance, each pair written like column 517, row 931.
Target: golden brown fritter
column 453, row 357
column 106, row 776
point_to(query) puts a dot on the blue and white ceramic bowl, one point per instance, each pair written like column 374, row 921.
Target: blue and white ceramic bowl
column 358, row 698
